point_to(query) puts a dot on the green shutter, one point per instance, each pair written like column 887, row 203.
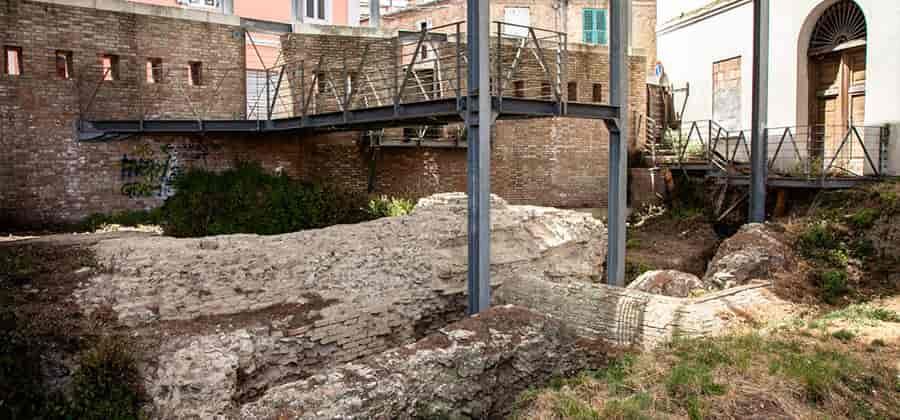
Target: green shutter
column 588, row 26
column 602, row 32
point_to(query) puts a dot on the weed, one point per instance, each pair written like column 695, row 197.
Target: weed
column 818, row 372
column 633, row 243
column 384, row 206
column 843, row 335
column 878, row 343
column 615, row 374
column 124, row 218
column 633, row 270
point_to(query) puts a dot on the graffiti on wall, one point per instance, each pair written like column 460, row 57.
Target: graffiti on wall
column 147, row 173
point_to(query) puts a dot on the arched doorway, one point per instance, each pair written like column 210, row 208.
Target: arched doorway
column 837, row 76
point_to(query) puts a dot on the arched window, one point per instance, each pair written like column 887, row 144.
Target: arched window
column 842, row 26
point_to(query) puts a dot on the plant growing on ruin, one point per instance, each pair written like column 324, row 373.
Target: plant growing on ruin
column 384, row 206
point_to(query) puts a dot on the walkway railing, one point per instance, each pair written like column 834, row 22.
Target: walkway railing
column 333, row 77
column 812, row 153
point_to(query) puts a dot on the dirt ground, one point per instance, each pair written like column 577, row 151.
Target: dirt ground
column 667, row 243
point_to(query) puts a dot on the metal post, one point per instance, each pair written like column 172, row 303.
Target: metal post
column 620, row 17
column 374, row 13
column 759, row 150
column 478, row 120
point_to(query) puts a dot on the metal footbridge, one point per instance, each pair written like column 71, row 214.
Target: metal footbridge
column 413, row 79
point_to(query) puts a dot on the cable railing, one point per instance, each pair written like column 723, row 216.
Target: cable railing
column 816, row 152
column 414, row 67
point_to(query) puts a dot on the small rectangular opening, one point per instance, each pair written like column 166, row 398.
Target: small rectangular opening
column 321, row 83
column 597, row 93
column 154, row 70
column 64, row 64
column 545, row 91
column 519, row 88
column 110, row 66
column 12, row 60
column 573, row 91
column 195, row 73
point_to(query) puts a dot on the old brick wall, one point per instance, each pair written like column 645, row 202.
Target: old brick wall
column 47, row 176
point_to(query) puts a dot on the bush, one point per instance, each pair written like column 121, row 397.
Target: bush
column 107, row 384
column 247, row 199
column 833, row 284
column 384, row 206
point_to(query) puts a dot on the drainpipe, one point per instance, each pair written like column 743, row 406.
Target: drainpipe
column 228, row 7
column 374, row 13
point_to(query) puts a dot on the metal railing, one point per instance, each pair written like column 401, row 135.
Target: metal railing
column 801, row 152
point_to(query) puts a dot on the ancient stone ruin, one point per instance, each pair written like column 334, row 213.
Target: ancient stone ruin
column 357, row 321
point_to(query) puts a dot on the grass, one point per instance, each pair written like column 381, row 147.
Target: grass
column 698, row 378
column 863, row 314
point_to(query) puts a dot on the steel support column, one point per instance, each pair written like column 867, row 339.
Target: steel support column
column 620, row 28
column 478, row 122
column 374, row 13
column 759, row 148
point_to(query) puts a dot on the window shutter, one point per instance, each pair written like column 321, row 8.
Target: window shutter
column 588, row 26
column 602, row 32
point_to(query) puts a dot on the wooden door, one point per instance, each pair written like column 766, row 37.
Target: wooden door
column 828, row 124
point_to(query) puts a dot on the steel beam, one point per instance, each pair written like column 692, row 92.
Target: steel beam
column 374, row 13
column 478, row 122
column 758, row 138
column 620, row 23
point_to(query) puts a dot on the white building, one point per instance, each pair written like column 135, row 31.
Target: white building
column 833, row 64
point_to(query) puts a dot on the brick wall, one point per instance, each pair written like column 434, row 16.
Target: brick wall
column 46, row 176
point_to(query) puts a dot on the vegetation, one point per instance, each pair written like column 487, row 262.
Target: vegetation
column 248, row 199
column 720, row 377
column 384, row 206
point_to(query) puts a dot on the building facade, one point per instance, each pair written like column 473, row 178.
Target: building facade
column 584, row 21
column 824, row 73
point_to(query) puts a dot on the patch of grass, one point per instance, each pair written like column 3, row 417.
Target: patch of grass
column 843, row 335
column 569, row 407
column 633, row 243
column 862, row 313
column 819, row 372
column 631, row 408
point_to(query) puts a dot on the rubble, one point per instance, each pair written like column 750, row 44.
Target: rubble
column 668, row 283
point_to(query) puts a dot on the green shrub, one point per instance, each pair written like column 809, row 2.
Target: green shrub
column 107, row 384
column 864, row 218
column 833, row 284
column 843, row 335
column 384, row 206
column 247, row 199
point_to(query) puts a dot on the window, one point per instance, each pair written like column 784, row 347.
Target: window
column 519, row 88
column 516, row 16
column 594, row 28
column 195, row 73
column 321, row 83
column 110, row 66
column 12, row 61
column 597, row 92
column 316, row 9
column 545, row 90
column 573, row 91
column 213, row 4
column 64, row 65
column 154, row 70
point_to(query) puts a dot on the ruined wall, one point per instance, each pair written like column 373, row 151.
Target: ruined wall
column 46, row 175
